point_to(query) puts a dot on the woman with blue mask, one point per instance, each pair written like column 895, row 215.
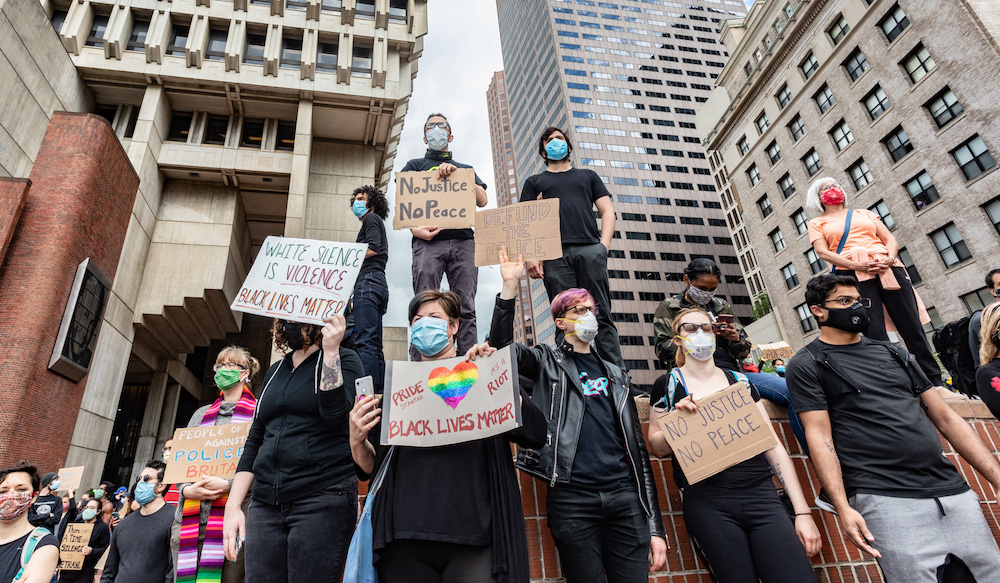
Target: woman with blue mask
column 100, row 537
column 449, row 513
column 371, row 292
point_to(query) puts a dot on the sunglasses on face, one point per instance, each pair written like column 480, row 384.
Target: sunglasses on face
column 436, row 124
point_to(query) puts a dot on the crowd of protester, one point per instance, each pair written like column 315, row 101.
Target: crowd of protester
column 866, row 412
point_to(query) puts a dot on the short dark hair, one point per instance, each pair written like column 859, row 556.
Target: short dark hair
column 108, row 485
column 545, row 135
column 23, row 467
column 442, row 116
column 159, row 466
column 821, row 286
column 376, row 200
column 702, row 266
column 449, row 300
column 989, row 278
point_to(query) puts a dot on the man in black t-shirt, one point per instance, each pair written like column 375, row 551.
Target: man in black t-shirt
column 584, row 262
column 439, row 251
column 872, row 418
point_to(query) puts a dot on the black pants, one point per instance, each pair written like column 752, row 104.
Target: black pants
column 747, row 538
column 586, row 266
column 601, row 536
column 421, row 561
column 901, row 305
column 302, row 540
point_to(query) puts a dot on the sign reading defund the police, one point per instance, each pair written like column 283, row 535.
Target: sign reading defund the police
column 206, row 451
column 450, row 401
column 424, row 200
column 529, row 230
column 727, row 429
column 300, row 279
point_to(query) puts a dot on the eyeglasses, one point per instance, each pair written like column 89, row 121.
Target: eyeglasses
column 437, row 124
column 692, row 328
column 580, row 309
column 222, row 365
column 850, row 302
column 826, row 188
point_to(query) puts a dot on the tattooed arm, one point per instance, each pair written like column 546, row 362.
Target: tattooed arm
column 340, row 368
column 333, row 377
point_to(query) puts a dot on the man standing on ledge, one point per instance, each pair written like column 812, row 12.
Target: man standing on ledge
column 872, row 420
column 439, row 251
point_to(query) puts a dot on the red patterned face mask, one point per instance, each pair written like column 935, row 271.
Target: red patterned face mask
column 13, row 504
column 833, row 196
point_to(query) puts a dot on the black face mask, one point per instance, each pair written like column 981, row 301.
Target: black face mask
column 853, row 320
column 293, row 335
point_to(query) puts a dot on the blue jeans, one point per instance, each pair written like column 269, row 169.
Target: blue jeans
column 773, row 388
column 371, row 299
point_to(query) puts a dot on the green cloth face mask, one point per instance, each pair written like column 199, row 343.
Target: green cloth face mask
column 226, row 378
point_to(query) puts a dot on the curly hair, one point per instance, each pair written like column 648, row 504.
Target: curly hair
column 543, row 139
column 376, row 200
column 310, row 335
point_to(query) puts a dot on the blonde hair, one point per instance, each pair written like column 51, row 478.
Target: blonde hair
column 676, row 328
column 990, row 328
column 241, row 356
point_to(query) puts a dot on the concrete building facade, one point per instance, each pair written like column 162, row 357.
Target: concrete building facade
column 625, row 80
column 891, row 99
column 241, row 120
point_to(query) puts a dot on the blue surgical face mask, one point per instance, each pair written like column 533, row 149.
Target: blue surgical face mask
column 429, row 335
column 145, row 493
column 89, row 514
column 556, row 149
column 779, row 368
column 359, row 207
column 437, row 139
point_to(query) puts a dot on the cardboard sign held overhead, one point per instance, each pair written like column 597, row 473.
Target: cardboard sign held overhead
column 69, row 478
column 424, row 200
column 301, row 280
column 76, row 537
column 530, row 229
column 776, row 350
column 450, row 401
column 206, row 451
column 727, row 429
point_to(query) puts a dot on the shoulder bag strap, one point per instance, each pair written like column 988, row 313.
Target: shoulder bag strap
column 843, row 237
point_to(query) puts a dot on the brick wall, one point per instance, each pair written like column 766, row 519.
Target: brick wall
column 81, row 196
column 13, row 193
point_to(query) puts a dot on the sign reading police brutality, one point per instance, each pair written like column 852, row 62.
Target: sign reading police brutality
column 727, row 429
column 450, row 401
column 300, row 279
column 205, row 451
column 423, row 199
column 71, row 554
column 529, row 229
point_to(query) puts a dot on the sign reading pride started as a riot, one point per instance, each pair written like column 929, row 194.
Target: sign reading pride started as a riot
column 301, row 280
column 424, row 200
column 450, row 401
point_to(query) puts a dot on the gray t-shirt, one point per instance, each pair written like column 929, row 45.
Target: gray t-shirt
column 140, row 549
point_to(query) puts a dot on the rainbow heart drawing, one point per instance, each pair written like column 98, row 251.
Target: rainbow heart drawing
column 452, row 385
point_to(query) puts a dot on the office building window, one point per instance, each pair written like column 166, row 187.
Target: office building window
column 816, row 265
column 841, row 134
column 812, row 162
column 253, row 53
column 876, row 102
column 285, row 138
column 911, row 268
column 58, row 18
column 137, row 37
column 921, row 190
column 753, row 175
column 977, row 300
column 944, row 107
column 791, row 278
column 805, row 317
column 178, row 40
column 180, row 127
column 216, row 129
column 743, row 145
column 950, row 245
column 898, row 144
column 95, row 38
column 973, row 157
column 786, row 185
column 784, row 96
column 291, row 53
column 894, row 23
column 762, row 122
column 824, row 98
column 797, row 128
column 839, row 30
column 918, row 63
column 361, row 61
column 860, row 175
column 215, row 50
column 397, row 9
column 764, row 204
column 856, row 64
column 365, row 8
column 992, row 209
column 773, row 152
column 777, row 239
column 883, row 213
column 296, row 4
column 332, row 5
column 801, row 221
column 809, row 65
column 326, row 56
column 252, row 135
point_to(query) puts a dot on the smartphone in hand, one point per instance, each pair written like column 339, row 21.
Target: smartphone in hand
column 364, row 387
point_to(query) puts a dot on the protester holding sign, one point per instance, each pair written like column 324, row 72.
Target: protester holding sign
column 602, row 506
column 28, row 554
column 371, row 291
column 446, row 251
column 584, row 261
column 734, row 516
column 202, row 504
column 298, row 460
column 451, row 512
column 874, row 423
column 100, row 538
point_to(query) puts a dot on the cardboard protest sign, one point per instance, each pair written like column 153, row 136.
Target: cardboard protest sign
column 69, row 478
column 776, row 350
column 76, row 537
column 301, row 280
column 104, row 560
column 422, row 199
column 450, row 401
column 727, row 429
column 206, row 451
column 527, row 228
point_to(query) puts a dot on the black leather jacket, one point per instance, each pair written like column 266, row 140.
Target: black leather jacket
column 563, row 404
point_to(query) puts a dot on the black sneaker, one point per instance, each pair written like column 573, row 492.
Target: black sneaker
column 823, row 502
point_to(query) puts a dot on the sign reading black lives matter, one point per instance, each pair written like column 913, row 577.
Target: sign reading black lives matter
column 423, row 200
column 301, row 280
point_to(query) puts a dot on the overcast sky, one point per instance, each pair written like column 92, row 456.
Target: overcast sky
column 461, row 53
